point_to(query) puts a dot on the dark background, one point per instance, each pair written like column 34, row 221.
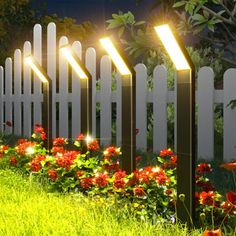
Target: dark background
column 97, row 11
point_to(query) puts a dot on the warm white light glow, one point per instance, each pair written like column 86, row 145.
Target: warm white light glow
column 115, row 56
column 29, row 61
column 172, row 47
column 75, row 65
column 29, row 150
column 88, row 139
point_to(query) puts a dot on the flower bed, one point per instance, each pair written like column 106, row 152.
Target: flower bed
column 149, row 192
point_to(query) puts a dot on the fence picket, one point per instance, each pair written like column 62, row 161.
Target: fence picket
column 205, row 113
column 1, row 98
column 37, row 52
column 76, row 95
column 8, row 94
column 141, row 106
column 90, row 62
column 27, row 93
column 229, row 115
column 52, row 68
column 63, row 91
column 17, row 92
column 160, row 93
column 118, row 110
column 106, row 79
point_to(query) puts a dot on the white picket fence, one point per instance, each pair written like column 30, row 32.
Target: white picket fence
column 19, row 105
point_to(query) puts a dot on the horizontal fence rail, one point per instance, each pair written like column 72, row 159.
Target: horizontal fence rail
column 21, row 98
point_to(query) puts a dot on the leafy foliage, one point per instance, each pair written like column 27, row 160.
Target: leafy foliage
column 147, row 193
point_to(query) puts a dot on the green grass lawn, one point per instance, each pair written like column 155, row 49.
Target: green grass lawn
column 27, row 208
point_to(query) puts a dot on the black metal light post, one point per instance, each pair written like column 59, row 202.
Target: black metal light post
column 86, row 88
column 128, row 143
column 185, row 123
column 47, row 99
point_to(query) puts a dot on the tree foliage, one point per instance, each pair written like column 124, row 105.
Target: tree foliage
column 212, row 21
column 17, row 18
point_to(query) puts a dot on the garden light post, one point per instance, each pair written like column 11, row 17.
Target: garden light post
column 128, row 145
column 86, row 88
column 185, row 123
column 47, row 98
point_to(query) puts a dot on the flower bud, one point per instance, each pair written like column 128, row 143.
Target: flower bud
column 182, row 197
column 202, row 216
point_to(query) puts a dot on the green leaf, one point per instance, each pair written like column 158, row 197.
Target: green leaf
column 206, row 14
column 199, row 18
column 140, row 23
column 179, row 4
column 232, row 104
column 121, row 31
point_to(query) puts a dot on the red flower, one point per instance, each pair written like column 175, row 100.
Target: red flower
column 79, row 173
column 229, row 166
column 93, row 146
column 166, row 152
column 21, row 148
column 162, row 179
column 207, row 198
column 59, row 141
column 8, row 123
column 231, row 197
column 204, row 168
column 173, row 160
column 86, row 183
column 57, row 149
column 120, row 174
column 139, row 191
column 43, row 136
column 35, row 163
column 13, row 161
column 216, row 232
column 137, row 159
column 52, row 174
column 228, row 207
column 80, row 137
column 143, row 177
column 21, row 140
column 101, row 180
column 67, row 159
column 3, row 148
column 111, row 167
column 119, row 183
column 168, row 191
column 38, row 129
column 112, row 152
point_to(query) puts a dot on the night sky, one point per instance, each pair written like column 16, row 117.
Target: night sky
column 97, row 11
